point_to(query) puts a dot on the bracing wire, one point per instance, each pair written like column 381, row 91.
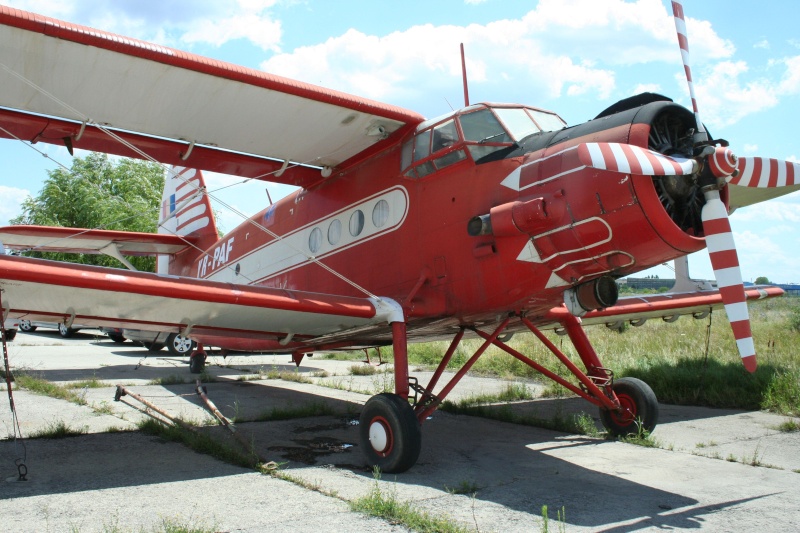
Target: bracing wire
column 147, row 157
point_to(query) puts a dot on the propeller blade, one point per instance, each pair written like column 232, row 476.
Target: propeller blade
column 630, row 159
column 725, row 262
column 766, row 173
column 683, row 42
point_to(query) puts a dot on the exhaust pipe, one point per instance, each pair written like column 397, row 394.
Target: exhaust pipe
column 596, row 294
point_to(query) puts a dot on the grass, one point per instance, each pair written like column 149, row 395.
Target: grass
column 485, row 406
column 789, row 426
column 669, row 357
column 561, row 516
column 463, row 487
column 386, row 505
column 47, row 388
column 199, row 442
column 57, row 429
column 301, row 411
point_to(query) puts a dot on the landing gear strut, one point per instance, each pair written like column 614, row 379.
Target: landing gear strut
column 390, row 426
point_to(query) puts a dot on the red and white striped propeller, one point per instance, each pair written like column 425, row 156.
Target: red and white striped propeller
column 722, row 164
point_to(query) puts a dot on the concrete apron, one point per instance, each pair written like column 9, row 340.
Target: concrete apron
column 482, row 474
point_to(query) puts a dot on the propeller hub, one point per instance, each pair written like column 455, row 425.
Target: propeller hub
column 722, row 163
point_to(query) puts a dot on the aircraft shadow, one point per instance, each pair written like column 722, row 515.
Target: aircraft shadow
column 514, row 466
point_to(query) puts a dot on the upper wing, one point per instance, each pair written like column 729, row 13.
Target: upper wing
column 181, row 101
column 90, row 241
column 62, row 292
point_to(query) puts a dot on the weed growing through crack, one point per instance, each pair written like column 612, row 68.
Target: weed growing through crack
column 53, row 390
column 58, row 429
column 386, row 505
column 789, row 426
column 289, row 413
column 199, row 442
column 561, row 516
column 463, row 487
column 642, row 437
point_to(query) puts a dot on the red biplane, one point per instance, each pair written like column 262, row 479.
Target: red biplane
column 493, row 219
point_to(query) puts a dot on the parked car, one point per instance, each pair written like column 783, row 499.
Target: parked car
column 155, row 341
column 10, row 326
column 63, row 330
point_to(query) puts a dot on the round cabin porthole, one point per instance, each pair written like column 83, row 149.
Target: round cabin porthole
column 356, row 223
column 315, row 240
column 380, row 213
column 334, row 231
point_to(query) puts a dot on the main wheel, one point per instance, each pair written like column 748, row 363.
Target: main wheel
column 64, row 331
column 390, row 433
column 640, row 408
column 25, row 325
column 179, row 345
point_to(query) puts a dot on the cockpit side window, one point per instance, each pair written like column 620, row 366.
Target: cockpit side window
column 422, row 145
column 444, row 136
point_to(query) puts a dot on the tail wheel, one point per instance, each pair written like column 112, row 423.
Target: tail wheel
column 197, row 362
column 390, row 433
column 639, row 408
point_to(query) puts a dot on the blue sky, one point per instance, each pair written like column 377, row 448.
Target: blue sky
column 574, row 57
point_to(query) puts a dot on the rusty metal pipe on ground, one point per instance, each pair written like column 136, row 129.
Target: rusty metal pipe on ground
column 225, row 422
column 122, row 391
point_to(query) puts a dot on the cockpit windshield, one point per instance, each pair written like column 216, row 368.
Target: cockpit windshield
column 479, row 130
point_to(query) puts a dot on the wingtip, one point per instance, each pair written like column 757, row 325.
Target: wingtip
column 750, row 363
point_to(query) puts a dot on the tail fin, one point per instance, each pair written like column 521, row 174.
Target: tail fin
column 185, row 211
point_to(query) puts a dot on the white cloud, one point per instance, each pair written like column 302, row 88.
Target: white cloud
column 750, row 148
column 170, row 23
column 762, row 44
column 783, row 210
column 11, row 206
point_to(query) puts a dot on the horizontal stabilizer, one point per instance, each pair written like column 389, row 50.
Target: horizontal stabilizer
column 90, row 241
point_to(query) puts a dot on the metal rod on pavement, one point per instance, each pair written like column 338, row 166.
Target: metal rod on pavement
column 225, row 422
column 122, row 391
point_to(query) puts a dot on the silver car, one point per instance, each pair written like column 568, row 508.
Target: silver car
column 66, row 332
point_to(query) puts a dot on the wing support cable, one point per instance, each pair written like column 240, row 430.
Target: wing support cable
column 147, row 157
column 19, row 441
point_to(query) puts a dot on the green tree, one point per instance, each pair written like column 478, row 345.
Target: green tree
column 98, row 193
column 762, row 280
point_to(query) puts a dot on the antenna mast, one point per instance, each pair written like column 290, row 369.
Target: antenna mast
column 464, row 76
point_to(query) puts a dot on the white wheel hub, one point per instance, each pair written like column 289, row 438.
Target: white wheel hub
column 378, row 436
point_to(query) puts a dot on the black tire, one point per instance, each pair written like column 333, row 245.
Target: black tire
column 153, row 346
column 26, row 326
column 10, row 334
column 116, row 337
column 180, row 345
column 641, row 408
column 64, row 331
column 390, row 433
column 197, row 362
